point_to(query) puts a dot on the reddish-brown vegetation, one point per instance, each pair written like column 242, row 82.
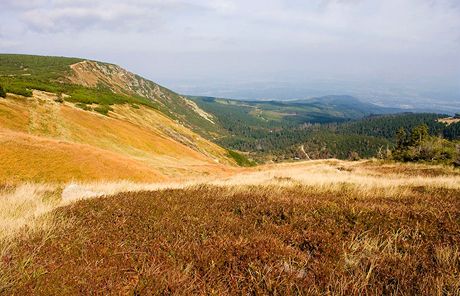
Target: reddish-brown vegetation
column 245, row 240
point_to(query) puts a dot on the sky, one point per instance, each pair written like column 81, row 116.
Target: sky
column 404, row 52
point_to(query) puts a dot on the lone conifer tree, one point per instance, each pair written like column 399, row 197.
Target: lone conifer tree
column 419, row 134
column 2, row 92
column 401, row 138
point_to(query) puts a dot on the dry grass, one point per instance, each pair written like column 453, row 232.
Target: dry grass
column 322, row 176
column 45, row 141
column 24, row 211
column 27, row 158
column 362, row 179
column 324, row 227
column 257, row 239
column 20, row 206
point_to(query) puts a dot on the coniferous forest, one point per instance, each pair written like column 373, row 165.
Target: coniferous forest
column 291, row 134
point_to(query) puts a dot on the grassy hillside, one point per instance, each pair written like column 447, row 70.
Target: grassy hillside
column 35, row 68
column 89, row 82
column 68, row 118
column 332, row 227
column 47, row 140
column 27, row 158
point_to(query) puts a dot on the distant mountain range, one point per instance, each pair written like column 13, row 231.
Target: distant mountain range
column 409, row 98
column 334, row 108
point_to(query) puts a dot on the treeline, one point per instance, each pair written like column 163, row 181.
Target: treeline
column 419, row 145
column 452, row 131
column 319, row 141
column 367, row 137
column 386, row 126
column 326, row 144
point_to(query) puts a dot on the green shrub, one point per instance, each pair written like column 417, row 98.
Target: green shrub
column 103, row 109
column 83, row 106
column 2, row 92
column 18, row 90
column 240, row 159
column 419, row 134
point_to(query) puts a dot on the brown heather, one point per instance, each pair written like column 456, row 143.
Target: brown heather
column 285, row 236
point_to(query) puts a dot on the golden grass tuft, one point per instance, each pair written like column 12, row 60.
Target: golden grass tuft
column 22, row 205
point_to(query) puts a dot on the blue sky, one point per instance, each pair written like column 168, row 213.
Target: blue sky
column 389, row 51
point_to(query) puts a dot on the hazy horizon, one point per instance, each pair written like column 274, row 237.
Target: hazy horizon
column 404, row 53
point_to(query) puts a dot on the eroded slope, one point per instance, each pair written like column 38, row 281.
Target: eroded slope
column 96, row 74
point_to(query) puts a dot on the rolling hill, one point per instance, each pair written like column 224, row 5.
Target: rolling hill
column 65, row 118
column 281, row 113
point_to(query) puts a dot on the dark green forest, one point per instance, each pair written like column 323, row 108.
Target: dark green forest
column 272, row 131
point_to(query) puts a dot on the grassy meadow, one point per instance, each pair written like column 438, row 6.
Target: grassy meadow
column 311, row 228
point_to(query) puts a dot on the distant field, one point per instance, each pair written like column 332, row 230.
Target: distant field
column 449, row 120
column 320, row 227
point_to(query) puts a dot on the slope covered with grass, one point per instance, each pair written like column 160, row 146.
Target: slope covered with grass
column 65, row 119
column 247, row 240
column 27, row 158
column 332, row 227
column 46, row 140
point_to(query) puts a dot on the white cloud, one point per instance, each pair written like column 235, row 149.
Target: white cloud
column 21, row 4
column 80, row 15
